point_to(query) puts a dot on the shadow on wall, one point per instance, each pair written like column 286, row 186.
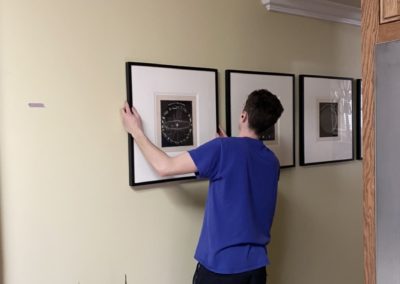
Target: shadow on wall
column 191, row 194
column 1, row 181
column 195, row 197
column 278, row 249
column 1, row 231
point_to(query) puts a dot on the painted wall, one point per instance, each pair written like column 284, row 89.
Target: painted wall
column 67, row 212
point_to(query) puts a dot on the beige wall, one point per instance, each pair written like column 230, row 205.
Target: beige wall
column 67, row 212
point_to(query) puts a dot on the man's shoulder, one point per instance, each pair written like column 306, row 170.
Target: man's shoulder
column 223, row 140
column 230, row 141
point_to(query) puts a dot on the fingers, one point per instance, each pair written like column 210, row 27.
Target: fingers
column 135, row 112
column 221, row 132
column 131, row 110
column 127, row 108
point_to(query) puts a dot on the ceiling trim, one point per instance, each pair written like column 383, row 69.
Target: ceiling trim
column 320, row 9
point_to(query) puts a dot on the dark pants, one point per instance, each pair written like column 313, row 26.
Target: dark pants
column 204, row 276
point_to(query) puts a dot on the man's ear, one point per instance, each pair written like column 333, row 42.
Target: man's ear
column 244, row 116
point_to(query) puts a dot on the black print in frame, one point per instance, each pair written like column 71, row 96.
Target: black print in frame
column 176, row 123
column 269, row 134
column 328, row 120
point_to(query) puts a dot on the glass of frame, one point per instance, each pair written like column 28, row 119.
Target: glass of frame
column 280, row 138
column 178, row 105
column 326, row 119
column 359, row 120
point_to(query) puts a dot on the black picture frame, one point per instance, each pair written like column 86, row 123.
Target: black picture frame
column 281, row 84
column 180, row 74
column 359, row 120
column 312, row 147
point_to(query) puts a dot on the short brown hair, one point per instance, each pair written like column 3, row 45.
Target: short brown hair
column 263, row 109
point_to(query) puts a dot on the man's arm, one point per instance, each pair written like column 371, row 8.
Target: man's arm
column 159, row 160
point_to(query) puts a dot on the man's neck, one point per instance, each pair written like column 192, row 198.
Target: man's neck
column 248, row 133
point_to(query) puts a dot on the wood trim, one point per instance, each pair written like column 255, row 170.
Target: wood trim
column 389, row 11
column 389, row 32
column 372, row 33
column 369, row 30
column 319, row 9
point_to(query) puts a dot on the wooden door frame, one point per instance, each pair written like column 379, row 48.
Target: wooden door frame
column 369, row 35
column 372, row 33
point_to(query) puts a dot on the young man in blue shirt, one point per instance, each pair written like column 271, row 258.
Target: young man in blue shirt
column 241, row 201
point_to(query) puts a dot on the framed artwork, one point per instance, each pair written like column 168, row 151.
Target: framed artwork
column 359, row 120
column 280, row 137
column 176, row 123
column 326, row 119
column 178, row 105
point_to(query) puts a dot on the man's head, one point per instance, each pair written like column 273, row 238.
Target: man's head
column 261, row 111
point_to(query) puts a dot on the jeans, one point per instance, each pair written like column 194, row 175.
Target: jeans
column 204, row 276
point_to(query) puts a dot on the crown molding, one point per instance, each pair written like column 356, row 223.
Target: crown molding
column 320, row 9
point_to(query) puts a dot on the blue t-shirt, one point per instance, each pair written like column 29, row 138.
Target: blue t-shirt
column 240, row 206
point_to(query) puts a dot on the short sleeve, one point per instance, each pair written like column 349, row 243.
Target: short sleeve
column 207, row 158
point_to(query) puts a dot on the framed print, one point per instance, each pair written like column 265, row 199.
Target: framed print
column 176, row 123
column 178, row 105
column 326, row 119
column 280, row 137
column 359, row 120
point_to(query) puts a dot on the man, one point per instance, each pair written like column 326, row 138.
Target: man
column 241, row 201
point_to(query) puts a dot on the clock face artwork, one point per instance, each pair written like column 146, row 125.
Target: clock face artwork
column 328, row 119
column 176, row 123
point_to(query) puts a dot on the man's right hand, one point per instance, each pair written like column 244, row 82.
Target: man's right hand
column 131, row 120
